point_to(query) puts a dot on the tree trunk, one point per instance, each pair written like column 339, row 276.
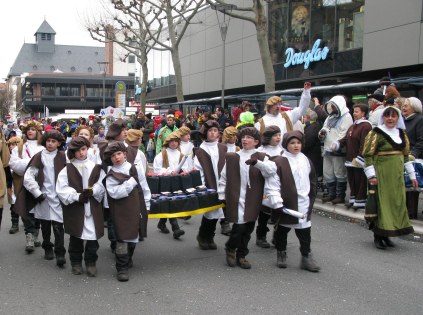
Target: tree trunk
column 178, row 74
column 266, row 60
column 144, row 81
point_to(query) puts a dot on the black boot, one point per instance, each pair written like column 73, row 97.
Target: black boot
column 331, row 192
column 177, row 232
column 378, row 240
column 281, row 259
column 15, row 221
column 388, row 242
column 162, row 226
column 341, row 187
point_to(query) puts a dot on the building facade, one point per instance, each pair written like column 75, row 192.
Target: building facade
column 62, row 77
column 327, row 42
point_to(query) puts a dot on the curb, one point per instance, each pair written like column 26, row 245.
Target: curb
column 341, row 212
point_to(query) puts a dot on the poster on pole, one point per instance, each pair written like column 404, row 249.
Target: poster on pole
column 120, row 91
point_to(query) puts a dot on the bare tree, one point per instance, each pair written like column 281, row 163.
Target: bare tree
column 126, row 26
column 256, row 14
column 6, row 101
column 163, row 21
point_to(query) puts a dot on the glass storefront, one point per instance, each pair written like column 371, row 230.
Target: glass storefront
column 315, row 37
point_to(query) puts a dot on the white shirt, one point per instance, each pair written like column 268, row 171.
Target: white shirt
column 173, row 157
column 294, row 115
column 300, row 168
column 69, row 195
column 116, row 190
column 49, row 208
column 212, row 149
column 29, row 149
column 231, row 147
column 266, row 167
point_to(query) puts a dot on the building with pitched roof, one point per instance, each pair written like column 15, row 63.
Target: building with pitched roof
column 62, row 77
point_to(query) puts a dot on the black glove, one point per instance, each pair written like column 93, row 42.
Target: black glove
column 82, row 198
column 252, row 161
column 41, row 198
column 88, row 192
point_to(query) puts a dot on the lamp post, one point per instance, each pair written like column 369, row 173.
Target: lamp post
column 223, row 26
column 103, row 69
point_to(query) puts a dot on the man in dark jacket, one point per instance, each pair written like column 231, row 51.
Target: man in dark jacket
column 148, row 129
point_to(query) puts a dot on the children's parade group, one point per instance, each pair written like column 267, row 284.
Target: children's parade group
column 236, row 176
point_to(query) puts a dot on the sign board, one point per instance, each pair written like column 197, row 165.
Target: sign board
column 297, row 58
column 120, row 90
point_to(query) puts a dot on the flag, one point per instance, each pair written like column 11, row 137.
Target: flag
column 47, row 112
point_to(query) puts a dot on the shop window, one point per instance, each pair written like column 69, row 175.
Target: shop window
column 350, row 16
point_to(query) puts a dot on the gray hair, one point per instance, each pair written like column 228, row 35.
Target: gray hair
column 310, row 114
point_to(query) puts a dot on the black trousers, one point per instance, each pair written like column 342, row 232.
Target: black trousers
column 14, row 216
column 207, row 228
column 412, row 202
column 31, row 224
column 111, row 234
column 262, row 229
column 59, row 236
column 123, row 253
column 239, row 238
column 76, row 249
column 303, row 235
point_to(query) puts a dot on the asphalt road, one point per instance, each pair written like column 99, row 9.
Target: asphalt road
column 176, row 277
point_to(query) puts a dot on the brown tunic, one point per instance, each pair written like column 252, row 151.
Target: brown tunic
column 25, row 201
column 206, row 162
column 254, row 194
column 125, row 212
column 289, row 191
column 73, row 214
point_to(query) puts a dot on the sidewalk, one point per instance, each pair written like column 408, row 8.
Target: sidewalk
column 341, row 212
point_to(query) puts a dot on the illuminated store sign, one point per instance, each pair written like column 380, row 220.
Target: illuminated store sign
column 297, row 58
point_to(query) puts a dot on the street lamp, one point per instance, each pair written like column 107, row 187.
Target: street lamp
column 223, row 26
column 103, row 69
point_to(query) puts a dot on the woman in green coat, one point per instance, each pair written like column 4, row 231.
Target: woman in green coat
column 386, row 151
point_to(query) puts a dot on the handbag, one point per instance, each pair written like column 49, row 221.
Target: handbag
column 371, row 209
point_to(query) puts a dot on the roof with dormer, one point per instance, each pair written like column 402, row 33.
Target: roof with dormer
column 70, row 59
column 45, row 28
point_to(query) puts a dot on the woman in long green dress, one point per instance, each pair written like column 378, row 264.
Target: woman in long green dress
column 386, row 151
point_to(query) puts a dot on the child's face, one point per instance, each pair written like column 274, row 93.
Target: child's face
column 52, row 144
column 231, row 139
column 84, row 133
column 170, row 121
column 248, row 142
column 186, row 137
column 213, row 134
column 276, row 139
column 294, row 146
column 31, row 133
column 118, row 158
column 173, row 145
column 101, row 131
column 123, row 135
column 12, row 146
column 82, row 153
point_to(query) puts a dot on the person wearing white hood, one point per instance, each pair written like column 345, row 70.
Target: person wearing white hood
column 334, row 129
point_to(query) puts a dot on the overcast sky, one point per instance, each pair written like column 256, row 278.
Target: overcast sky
column 19, row 20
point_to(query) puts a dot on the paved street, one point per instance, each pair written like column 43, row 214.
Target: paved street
column 172, row 277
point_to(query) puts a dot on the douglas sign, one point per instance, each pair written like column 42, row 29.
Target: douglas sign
column 297, row 58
